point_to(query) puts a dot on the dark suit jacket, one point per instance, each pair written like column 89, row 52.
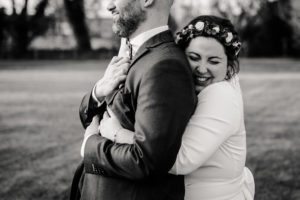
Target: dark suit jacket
column 156, row 103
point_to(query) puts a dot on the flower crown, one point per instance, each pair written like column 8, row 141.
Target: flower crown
column 224, row 35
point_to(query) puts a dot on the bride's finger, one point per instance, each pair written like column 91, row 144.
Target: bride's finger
column 105, row 115
column 96, row 119
column 110, row 112
column 125, row 67
column 120, row 79
column 99, row 127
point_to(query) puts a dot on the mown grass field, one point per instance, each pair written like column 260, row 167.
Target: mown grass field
column 40, row 132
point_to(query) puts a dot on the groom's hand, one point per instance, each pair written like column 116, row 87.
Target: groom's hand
column 114, row 75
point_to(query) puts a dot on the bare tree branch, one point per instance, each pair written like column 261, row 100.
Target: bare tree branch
column 14, row 7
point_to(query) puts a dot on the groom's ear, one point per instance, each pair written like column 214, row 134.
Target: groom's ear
column 148, row 3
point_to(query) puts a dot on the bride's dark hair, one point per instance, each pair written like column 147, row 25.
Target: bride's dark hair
column 218, row 28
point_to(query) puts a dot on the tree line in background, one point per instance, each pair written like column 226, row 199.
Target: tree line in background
column 270, row 31
column 19, row 29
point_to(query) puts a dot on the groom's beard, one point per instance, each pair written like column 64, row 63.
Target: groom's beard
column 128, row 21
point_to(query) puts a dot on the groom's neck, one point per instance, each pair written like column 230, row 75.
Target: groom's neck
column 150, row 23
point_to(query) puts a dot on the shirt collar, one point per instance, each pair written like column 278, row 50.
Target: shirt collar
column 140, row 39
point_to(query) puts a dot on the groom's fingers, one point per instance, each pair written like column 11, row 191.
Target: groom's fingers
column 122, row 61
column 122, row 72
column 120, row 79
column 124, row 67
column 110, row 112
column 99, row 127
column 115, row 59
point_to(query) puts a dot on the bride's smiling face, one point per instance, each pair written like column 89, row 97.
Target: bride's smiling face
column 208, row 61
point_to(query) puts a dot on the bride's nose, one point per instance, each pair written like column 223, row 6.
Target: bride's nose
column 201, row 68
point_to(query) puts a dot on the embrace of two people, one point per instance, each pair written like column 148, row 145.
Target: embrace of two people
column 166, row 120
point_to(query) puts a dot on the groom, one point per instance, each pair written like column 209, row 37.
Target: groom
column 156, row 102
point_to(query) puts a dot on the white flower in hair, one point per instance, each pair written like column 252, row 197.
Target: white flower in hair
column 236, row 44
column 184, row 31
column 199, row 26
column 191, row 26
column 229, row 37
column 216, row 29
column 178, row 37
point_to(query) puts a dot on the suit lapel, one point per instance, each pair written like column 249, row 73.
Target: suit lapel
column 156, row 40
column 153, row 42
column 138, row 55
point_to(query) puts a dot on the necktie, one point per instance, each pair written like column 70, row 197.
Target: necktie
column 129, row 47
column 125, row 49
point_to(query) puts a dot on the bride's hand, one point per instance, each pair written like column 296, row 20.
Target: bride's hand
column 92, row 129
column 109, row 126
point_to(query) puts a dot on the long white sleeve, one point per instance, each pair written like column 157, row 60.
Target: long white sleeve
column 218, row 116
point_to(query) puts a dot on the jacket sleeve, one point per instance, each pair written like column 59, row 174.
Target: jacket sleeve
column 89, row 108
column 165, row 102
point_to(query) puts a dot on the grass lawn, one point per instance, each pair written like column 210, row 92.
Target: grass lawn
column 40, row 132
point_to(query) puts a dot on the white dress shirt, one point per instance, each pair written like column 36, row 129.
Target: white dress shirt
column 140, row 39
column 136, row 43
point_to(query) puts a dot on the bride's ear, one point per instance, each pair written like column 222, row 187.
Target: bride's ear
column 148, row 3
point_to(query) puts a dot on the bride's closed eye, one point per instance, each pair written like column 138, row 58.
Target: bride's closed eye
column 193, row 56
column 214, row 60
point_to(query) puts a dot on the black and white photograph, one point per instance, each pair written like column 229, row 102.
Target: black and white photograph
column 150, row 99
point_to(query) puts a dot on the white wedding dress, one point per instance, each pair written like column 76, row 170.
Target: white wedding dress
column 213, row 151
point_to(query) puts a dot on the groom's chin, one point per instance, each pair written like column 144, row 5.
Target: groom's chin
column 119, row 31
